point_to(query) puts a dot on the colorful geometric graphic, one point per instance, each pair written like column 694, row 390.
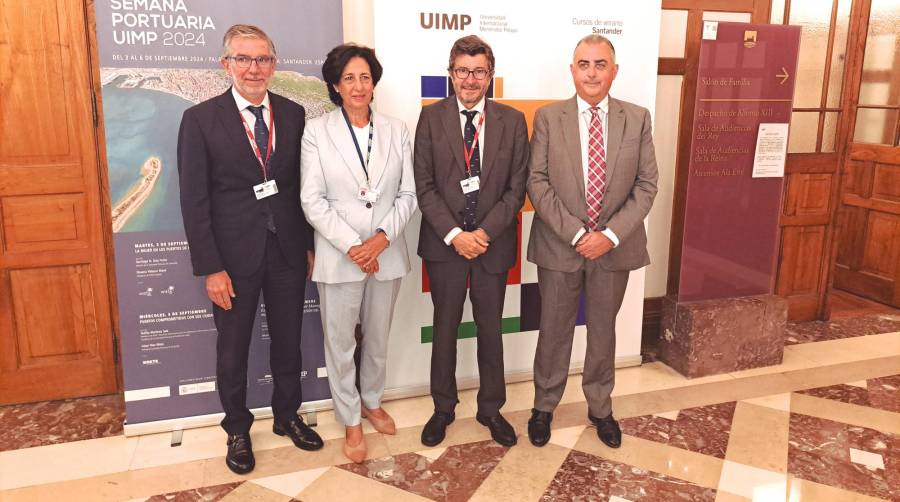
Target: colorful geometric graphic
column 437, row 87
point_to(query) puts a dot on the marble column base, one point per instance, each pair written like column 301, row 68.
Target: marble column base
column 719, row 336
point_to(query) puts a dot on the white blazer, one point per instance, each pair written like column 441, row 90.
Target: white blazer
column 330, row 179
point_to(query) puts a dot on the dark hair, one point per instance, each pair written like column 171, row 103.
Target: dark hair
column 471, row 45
column 337, row 60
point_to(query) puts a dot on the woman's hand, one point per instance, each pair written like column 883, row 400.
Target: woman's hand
column 366, row 254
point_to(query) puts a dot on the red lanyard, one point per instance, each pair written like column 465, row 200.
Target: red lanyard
column 474, row 146
column 259, row 157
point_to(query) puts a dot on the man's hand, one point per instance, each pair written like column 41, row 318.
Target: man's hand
column 219, row 289
column 482, row 234
column 310, row 261
column 470, row 245
column 593, row 245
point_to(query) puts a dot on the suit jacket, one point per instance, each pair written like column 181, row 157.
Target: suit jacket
column 217, row 169
column 331, row 179
column 556, row 186
column 440, row 166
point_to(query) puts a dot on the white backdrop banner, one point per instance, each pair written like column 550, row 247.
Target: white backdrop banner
column 533, row 49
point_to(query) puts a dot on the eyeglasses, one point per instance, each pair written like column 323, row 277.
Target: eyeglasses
column 463, row 73
column 263, row 62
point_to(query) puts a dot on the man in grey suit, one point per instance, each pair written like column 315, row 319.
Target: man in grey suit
column 592, row 180
column 471, row 164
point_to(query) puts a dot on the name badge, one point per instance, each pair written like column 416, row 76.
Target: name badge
column 470, row 185
column 367, row 194
column 264, row 190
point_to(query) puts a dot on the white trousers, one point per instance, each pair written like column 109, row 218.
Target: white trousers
column 371, row 303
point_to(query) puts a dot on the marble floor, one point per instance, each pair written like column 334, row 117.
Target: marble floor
column 824, row 425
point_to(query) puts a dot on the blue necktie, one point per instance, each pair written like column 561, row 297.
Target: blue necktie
column 260, row 130
column 475, row 166
column 261, row 134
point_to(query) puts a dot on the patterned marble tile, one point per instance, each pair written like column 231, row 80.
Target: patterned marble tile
column 454, row 476
column 205, row 494
column 841, row 392
column 820, row 437
column 817, row 331
column 52, row 422
column 882, row 393
column 819, row 450
column 704, row 429
column 586, row 477
column 649, row 427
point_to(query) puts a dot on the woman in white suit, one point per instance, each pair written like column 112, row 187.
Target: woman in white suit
column 357, row 191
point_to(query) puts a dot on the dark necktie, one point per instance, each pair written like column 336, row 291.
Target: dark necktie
column 261, row 135
column 260, row 130
column 475, row 166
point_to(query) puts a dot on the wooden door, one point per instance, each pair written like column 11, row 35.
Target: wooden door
column 55, row 327
column 867, row 261
column 868, row 258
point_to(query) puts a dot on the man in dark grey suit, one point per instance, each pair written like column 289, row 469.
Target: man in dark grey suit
column 470, row 166
column 239, row 179
column 592, row 180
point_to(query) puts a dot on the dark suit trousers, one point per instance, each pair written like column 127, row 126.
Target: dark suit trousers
column 560, row 292
column 283, row 289
column 448, row 293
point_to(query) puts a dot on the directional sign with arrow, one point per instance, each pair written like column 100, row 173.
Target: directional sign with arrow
column 783, row 75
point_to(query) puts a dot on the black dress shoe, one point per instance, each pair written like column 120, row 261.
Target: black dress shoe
column 501, row 431
column 539, row 427
column 436, row 428
column 240, row 454
column 608, row 430
column 301, row 434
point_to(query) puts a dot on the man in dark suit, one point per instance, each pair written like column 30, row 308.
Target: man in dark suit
column 240, row 193
column 470, row 167
column 592, row 181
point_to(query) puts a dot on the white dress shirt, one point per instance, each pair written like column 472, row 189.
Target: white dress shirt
column 584, row 126
column 462, row 126
column 242, row 105
column 362, row 139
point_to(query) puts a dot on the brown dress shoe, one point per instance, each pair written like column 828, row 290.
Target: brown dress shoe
column 384, row 424
column 356, row 453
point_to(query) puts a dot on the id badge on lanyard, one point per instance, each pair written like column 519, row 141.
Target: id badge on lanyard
column 366, row 193
column 472, row 183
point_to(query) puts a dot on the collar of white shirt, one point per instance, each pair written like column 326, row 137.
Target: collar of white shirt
column 583, row 105
column 242, row 102
column 478, row 107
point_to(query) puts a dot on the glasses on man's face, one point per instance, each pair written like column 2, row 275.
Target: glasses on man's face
column 463, row 73
column 263, row 62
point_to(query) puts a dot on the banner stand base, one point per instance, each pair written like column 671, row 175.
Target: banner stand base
column 177, row 434
column 177, row 425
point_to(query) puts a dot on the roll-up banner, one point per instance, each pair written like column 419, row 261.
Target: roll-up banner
column 533, row 46
column 158, row 58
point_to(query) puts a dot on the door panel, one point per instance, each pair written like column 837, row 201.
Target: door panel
column 799, row 273
column 868, row 260
column 54, row 289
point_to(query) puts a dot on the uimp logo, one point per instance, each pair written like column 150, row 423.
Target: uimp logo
column 443, row 21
